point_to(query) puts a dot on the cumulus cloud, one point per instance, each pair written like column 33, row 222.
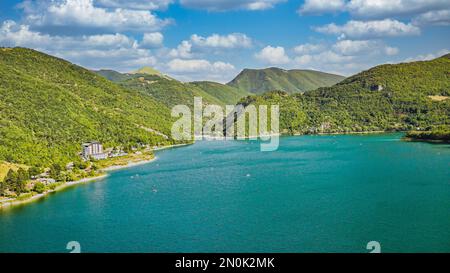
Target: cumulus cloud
column 308, row 48
column 136, row 4
column 321, row 6
column 200, row 69
column 273, row 55
column 182, row 51
column 374, row 8
column 223, row 5
column 83, row 13
column 198, row 44
column 427, row 57
column 94, row 51
column 390, row 8
column 355, row 47
column 350, row 47
column 370, row 29
column 439, row 18
column 180, row 65
column 152, row 40
column 345, row 57
column 234, row 40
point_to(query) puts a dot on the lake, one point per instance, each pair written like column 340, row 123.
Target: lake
column 331, row 193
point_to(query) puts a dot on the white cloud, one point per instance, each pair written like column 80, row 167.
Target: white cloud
column 273, row 55
column 389, row 8
column 321, row 6
column 83, row 13
column 440, row 18
column 345, row 57
column 327, row 56
column 350, row 47
column 223, row 5
column 136, row 4
column 234, row 40
column 332, row 62
column 179, row 65
column 182, row 51
column 198, row 44
column 309, row 48
column 357, row 47
column 390, row 51
column 151, row 40
column 115, row 51
column 370, row 29
column 374, row 8
column 200, row 69
column 429, row 56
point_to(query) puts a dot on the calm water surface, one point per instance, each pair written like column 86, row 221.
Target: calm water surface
column 315, row 194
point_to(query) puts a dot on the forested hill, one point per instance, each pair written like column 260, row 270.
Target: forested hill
column 259, row 81
column 402, row 96
column 48, row 107
column 226, row 94
column 172, row 92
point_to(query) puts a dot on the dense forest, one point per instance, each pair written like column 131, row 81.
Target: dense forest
column 48, row 107
column 402, row 97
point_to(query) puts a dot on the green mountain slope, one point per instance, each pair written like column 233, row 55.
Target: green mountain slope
column 146, row 70
column 172, row 92
column 259, row 81
column 226, row 94
column 48, row 107
column 389, row 97
column 168, row 92
column 112, row 75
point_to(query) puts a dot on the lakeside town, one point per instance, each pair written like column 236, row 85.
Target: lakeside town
column 22, row 183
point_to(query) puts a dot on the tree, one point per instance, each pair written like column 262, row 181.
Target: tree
column 39, row 187
column 55, row 170
column 21, row 181
column 2, row 188
column 34, row 171
column 10, row 179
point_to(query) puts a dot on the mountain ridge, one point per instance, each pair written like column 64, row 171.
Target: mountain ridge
column 259, row 81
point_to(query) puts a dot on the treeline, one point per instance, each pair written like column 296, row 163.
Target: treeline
column 439, row 134
column 16, row 181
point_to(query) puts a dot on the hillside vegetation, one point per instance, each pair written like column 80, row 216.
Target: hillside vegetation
column 171, row 92
column 226, row 94
column 48, row 107
column 437, row 134
column 259, row 81
column 387, row 97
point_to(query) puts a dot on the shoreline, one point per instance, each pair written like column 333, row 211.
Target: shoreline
column 14, row 202
column 128, row 165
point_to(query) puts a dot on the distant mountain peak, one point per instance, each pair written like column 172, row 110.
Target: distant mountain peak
column 259, row 81
column 147, row 70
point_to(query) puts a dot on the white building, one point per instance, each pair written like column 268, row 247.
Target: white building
column 94, row 150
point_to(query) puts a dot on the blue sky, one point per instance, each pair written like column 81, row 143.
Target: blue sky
column 216, row 39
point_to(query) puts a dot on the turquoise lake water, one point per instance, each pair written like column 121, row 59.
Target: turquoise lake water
column 315, row 194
